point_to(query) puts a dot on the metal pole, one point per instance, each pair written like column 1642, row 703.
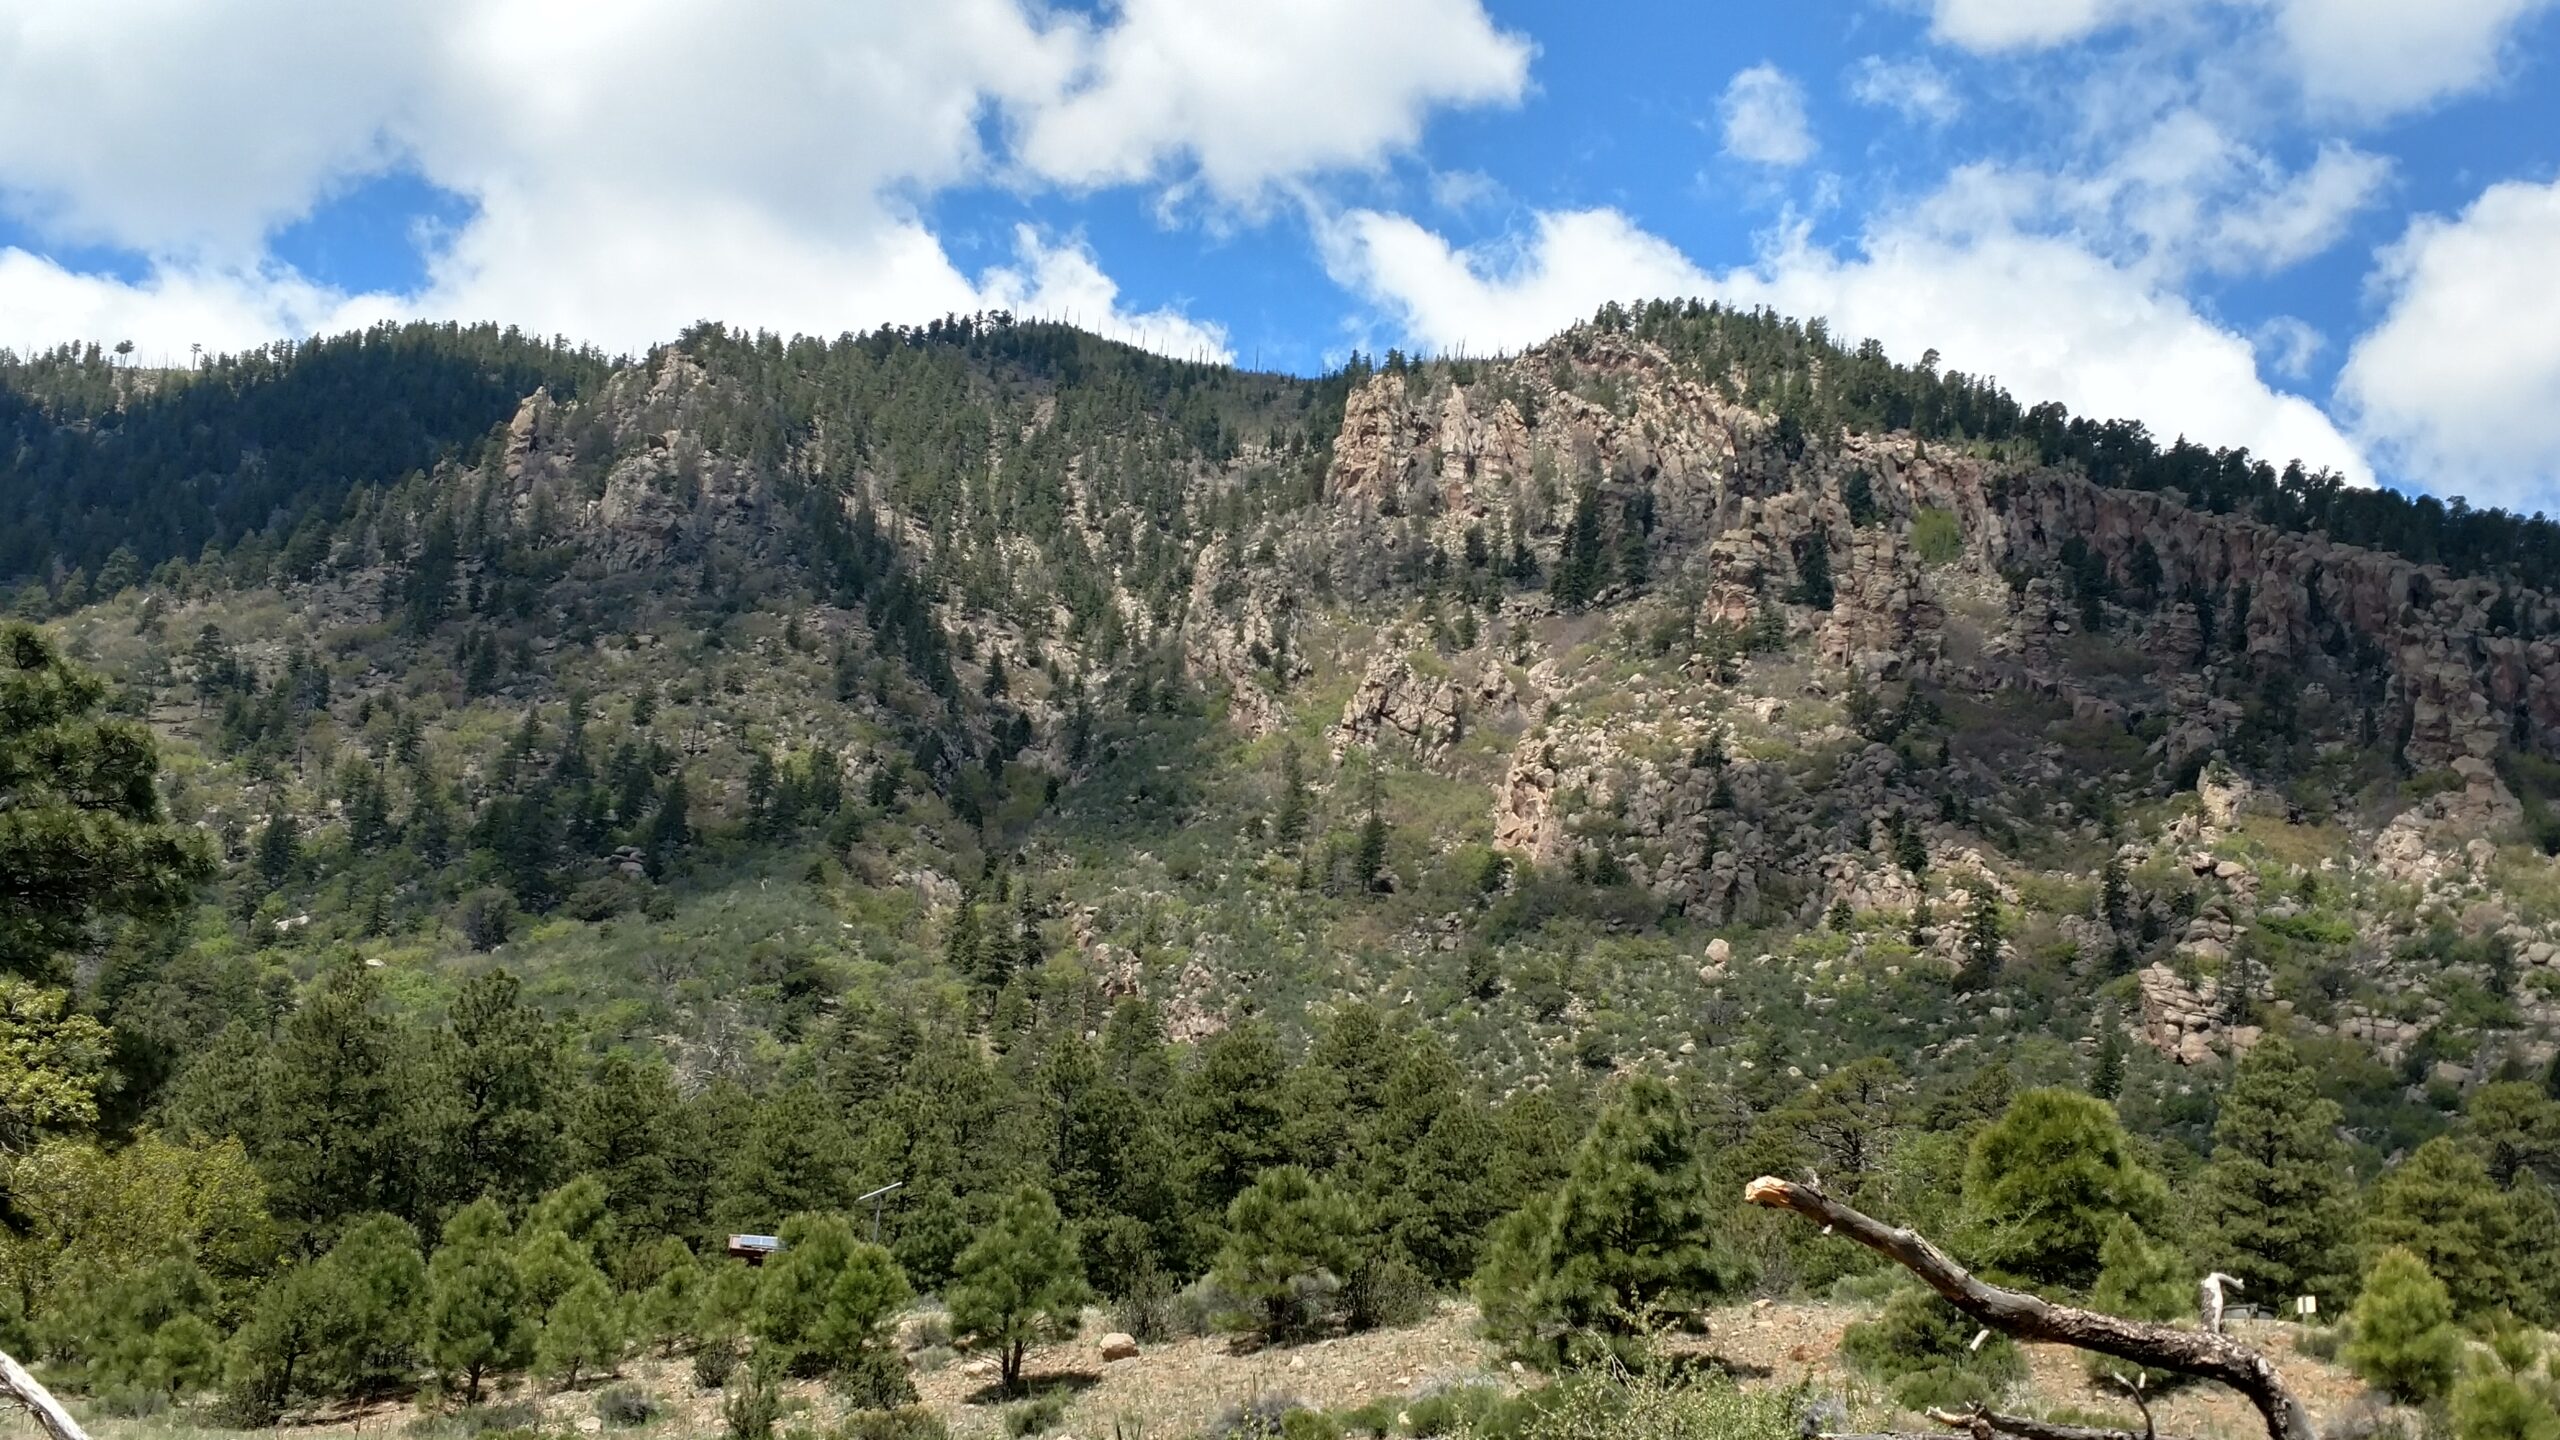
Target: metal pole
column 874, row 1198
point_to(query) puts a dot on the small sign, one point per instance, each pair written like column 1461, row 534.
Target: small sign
column 2306, row 1306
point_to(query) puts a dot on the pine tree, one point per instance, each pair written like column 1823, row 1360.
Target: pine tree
column 2045, row 1183
column 498, row 1066
column 826, row 1300
column 339, row 1123
column 1290, row 1236
column 1628, row 1238
column 2274, row 1201
column 2492, row 1404
column 2441, row 1206
column 374, row 1294
column 2139, row 1281
column 2401, row 1331
column 1981, row 939
column 582, row 1332
column 2106, row 1075
column 86, row 838
column 1021, row 1280
column 475, row 1321
column 1289, row 822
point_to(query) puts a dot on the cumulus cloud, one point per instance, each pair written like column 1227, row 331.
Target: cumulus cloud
column 1262, row 90
column 628, row 169
column 1764, row 118
column 2287, row 344
column 1062, row 282
column 2459, row 382
column 1914, row 89
column 2044, row 315
column 1506, row 295
column 1995, row 25
column 2374, row 59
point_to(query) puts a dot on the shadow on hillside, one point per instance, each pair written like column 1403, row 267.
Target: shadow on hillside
column 1056, row 1382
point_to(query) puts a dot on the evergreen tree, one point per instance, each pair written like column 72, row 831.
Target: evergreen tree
column 1021, row 1280
column 1290, row 1239
column 2401, row 1335
column 1980, row 960
column 1581, row 563
column 2275, row 1200
column 339, row 1123
column 582, row 1332
column 825, row 1302
column 498, row 1065
column 373, row 1290
column 2492, row 1403
column 2139, row 1281
column 1232, row 1124
column 2441, row 1207
column 476, row 1326
column 2045, row 1183
column 85, row 838
column 1289, row 821
column 1629, row 1236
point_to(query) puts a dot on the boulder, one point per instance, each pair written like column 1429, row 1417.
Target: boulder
column 1119, row 1345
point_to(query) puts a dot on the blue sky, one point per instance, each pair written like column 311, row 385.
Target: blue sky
column 2325, row 228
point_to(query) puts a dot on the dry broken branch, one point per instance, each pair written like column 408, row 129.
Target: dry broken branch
column 2027, row 1317
column 22, row 1387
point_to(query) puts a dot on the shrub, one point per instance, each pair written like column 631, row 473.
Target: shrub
column 1035, row 1417
column 1922, row 1347
column 876, row 1379
column 2405, row 1343
column 1386, row 1291
column 625, row 1405
column 749, row 1410
column 910, row 1422
column 2492, row 1405
column 713, row 1363
column 1264, row 1417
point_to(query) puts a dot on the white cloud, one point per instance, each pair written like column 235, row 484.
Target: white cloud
column 1764, row 118
column 1914, row 89
column 1062, row 282
column 2373, row 59
column 1504, row 296
column 631, row 168
column 1256, row 91
column 2287, row 345
column 2459, row 382
column 1986, row 26
column 2045, row 316
column 42, row 304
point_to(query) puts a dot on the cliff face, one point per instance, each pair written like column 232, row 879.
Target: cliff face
column 1737, row 518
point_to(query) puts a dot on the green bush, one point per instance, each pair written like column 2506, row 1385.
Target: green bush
column 625, row 1405
column 1035, row 1417
column 909, row 1422
column 2490, row 1404
column 2405, row 1343
column 1922, row 1348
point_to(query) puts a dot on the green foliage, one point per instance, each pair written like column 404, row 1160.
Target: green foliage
column 2139, row 1281
column 2046, row 1182
column 127, row 1337
column 2490, row 1405
column 2277, row 1198
column 2403, row 1340
column 1291, row 1237
column 1935, row 536
column 1021, row 1280
column 82, row 834
column 1627, row 1242
column 582, row 1332
column 2441, row 1207
column 476, row 1324
column 1923, row 1348
column 826, row 1300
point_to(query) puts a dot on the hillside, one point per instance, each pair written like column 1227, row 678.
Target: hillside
column 987, row 755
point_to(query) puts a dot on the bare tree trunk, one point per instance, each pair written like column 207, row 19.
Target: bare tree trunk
column 2026, row 1317
column 22, row 1387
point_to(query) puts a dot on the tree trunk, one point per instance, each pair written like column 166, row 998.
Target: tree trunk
column 2026, row 1317
column 22, row 1387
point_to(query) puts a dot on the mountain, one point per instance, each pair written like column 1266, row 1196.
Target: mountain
column 857, row 725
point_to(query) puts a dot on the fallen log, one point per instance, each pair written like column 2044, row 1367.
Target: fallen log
column 2031, row 1318
column 22, row 1387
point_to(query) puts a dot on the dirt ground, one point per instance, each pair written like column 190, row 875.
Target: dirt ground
column 1172, row 1390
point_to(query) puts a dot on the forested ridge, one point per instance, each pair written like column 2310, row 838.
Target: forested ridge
column 1247, row 854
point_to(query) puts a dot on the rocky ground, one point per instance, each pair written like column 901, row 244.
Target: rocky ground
column 1178, row 1388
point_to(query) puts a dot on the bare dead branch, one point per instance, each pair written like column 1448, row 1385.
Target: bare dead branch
column 1989, row 1424
column 22, row 1387
column 2028, row 1317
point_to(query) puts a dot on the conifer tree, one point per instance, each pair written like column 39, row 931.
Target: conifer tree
column 583, row 1331
column 2401, row 1331
column 373, row 1292
column 1289, row 820
column 2275, row 1201
column 1980, row 960
column 475, row 1304
column 2440, row 1206
column 1021, row 1280
column 339, row 1128
column 497, row 1064
column 86, row 837
column 1290, row 1237
column 2045, row 1183
column 2139, row 1281
column 825, row 1301
column 1630, row 1236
